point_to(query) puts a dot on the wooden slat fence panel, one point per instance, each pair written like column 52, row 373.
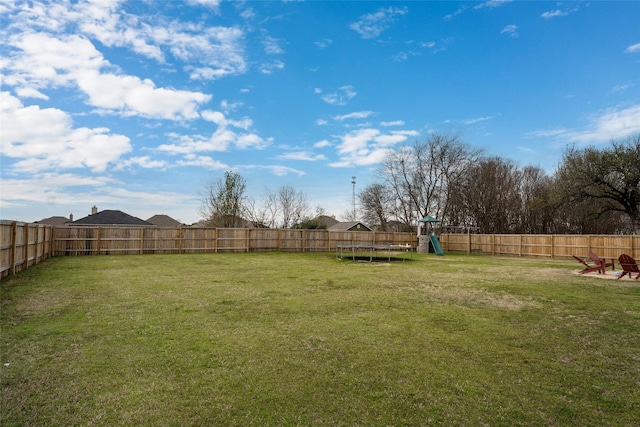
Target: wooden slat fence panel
column 113, row 240
column 23, row 245
column 317, row 241
column 543, row 245
column 289, row 240
column 263, row 239
column 232, row 240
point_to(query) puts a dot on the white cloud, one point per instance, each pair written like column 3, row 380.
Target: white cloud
column 393, row 123
column 269, row 68
column 54, row 143
column 144, row 162
column 213, row 4
column 609, row 125
column 272, row 46
column 367, row 146
column 49, row 62
column 277, row 170
column 48, row 188
column 634, row 48
column 511, row 30
column 354, row 115
column 322, row 144
column 340, row 97
column 323, row 44
column 209, row 51
column 622, row 87
column 372, row 25
column 30, row 92
column 306, row 156
column 554, row 13
column 130, row 95
column 478, row 120
column 492, row 3
column 203, row 162
column 486, row 4
column 558, row 12
column 247, row 141
column 222, row 139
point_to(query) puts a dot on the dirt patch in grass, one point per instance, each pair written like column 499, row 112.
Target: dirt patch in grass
column 467, row 296
column 610, row 275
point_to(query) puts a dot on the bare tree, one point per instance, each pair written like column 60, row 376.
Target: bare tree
column 224, row 201
column 538, row 202
column 376, row 205
column 421, row 175
column 490, row 194
column 293, row 205
column 270, row 209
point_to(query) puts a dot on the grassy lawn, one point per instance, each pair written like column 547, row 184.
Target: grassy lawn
column 270, row 339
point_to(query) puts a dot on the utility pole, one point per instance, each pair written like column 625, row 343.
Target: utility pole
column 353, row 181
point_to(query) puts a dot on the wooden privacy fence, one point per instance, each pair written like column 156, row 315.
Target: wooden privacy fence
column 151, row 240
column 23, row 245
column 543, row 245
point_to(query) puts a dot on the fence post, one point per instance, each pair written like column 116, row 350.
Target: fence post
column 520, row 248
column 141, row 240
column 26, row 246
column 14, row 239
column 52, row 244
column 553, row 249
column 40, row 255
column 99, row 242
column 304, row 237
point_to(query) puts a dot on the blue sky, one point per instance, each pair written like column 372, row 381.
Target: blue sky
column 137, row 105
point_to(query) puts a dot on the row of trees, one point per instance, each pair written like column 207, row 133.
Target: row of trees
column 592, row 191
column 225, row 204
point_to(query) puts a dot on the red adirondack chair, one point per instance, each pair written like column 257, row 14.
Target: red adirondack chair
column 629, row 266
column 603, row 262
column 588, row 268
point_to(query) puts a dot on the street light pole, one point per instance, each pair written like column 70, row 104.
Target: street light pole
column 353, row 181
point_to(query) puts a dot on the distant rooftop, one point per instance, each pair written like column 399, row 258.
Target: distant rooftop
column 111, row 217
column 164, row 221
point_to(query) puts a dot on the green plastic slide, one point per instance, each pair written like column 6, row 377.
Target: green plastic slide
column 436, row 245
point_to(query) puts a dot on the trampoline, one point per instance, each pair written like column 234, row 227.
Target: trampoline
column 361, row 251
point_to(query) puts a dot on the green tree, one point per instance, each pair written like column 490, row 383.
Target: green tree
column 224, row 201
column 609, row 179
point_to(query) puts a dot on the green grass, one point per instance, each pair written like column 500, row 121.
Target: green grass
column 281, row 339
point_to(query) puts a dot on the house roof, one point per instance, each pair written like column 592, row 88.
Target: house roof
column 349, row 226
column 54, row 220
column 163, row 221
column 326, row 220
column 111, row 217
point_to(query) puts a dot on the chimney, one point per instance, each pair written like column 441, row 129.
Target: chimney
column 94, row 210
column 70, row 217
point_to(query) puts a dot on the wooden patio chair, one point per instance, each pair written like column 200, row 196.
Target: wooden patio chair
column 588, row 268
column 604, row 262
column 629, row 266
